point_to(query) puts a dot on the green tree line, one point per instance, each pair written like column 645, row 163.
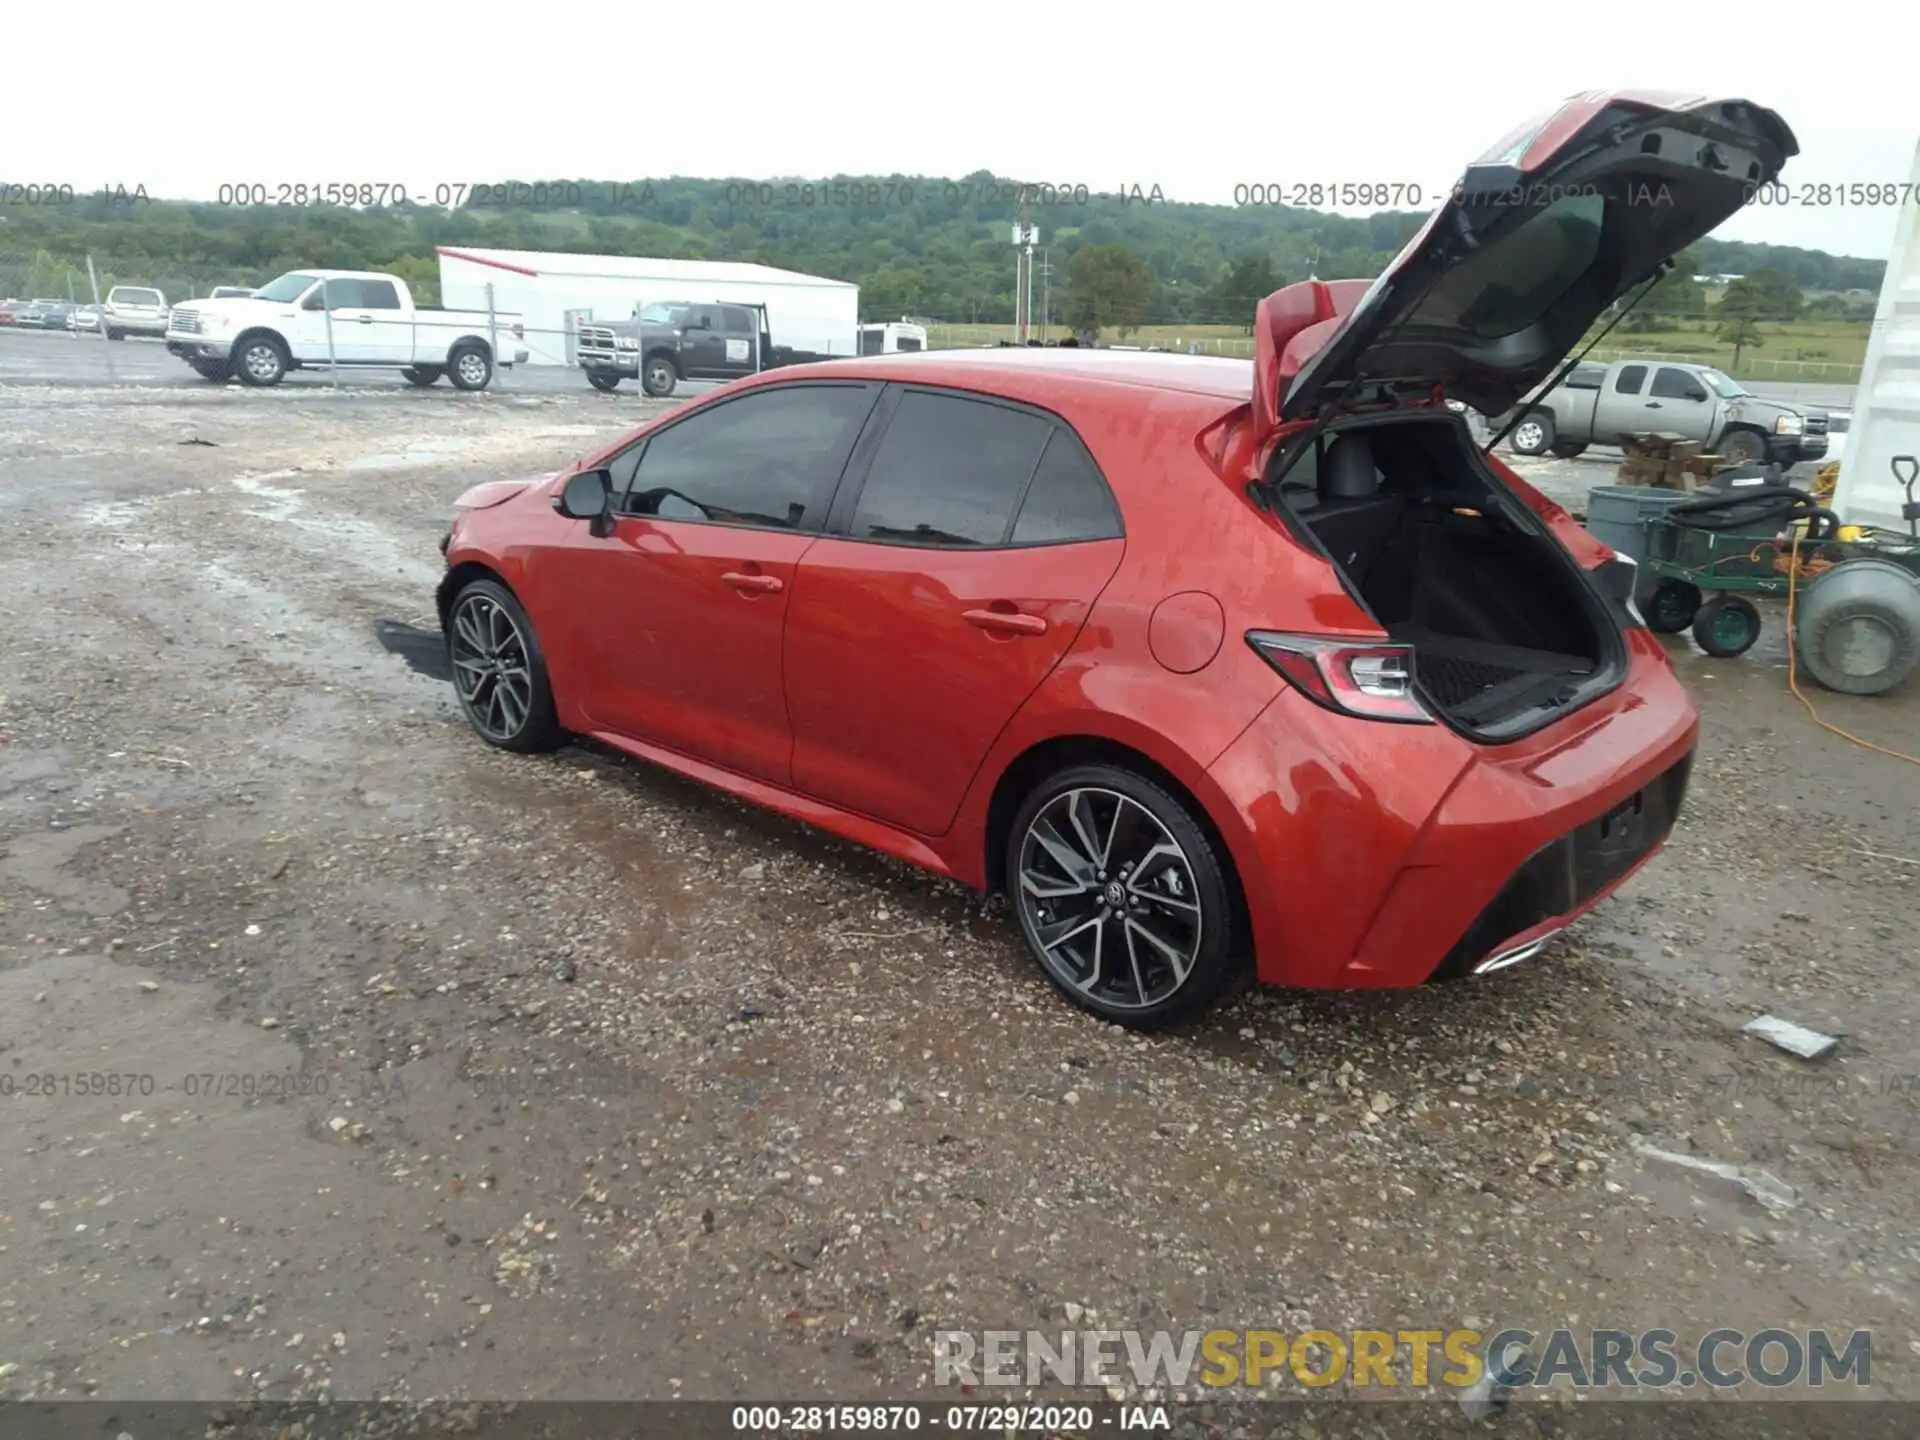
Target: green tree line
column 916, row 245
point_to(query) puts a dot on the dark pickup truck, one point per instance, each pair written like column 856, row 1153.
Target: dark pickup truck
column 671, row 341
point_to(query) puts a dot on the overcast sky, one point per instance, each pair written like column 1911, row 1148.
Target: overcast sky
column 1193, row 97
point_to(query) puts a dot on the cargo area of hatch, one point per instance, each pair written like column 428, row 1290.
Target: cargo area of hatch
column 1506, row 633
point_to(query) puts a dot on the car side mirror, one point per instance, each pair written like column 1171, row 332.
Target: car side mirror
column 587, row 495
column 1696, row 395
column 315, row 301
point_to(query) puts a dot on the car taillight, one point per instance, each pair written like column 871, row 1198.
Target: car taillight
column 1373, row 680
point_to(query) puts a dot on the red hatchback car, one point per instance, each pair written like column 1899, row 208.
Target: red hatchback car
column 1215, row 669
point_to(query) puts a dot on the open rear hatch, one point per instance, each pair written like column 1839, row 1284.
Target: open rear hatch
column 1500, row 629
column 1541, row 235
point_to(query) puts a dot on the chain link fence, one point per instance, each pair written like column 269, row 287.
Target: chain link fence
column 1207, row 340
column 65, row 279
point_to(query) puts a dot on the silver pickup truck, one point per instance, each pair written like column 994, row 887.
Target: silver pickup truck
column 1598, row 404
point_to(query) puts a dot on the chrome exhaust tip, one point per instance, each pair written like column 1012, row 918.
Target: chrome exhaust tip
column 1503, row 959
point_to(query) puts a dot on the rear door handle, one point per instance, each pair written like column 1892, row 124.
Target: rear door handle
column 753, row 584
column 1010, row 622
column 1653, row 404
column 366, row 319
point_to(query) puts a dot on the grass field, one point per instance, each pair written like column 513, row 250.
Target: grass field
column 1824, row 351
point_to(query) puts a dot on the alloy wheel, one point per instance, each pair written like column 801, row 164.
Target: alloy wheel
column 1109, row 899
column 262, row 361
column 1528, row 435
column 490, row 667
column 473, row 367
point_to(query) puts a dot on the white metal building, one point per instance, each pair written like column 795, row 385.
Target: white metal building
column 1886, row 407
column 556, row 293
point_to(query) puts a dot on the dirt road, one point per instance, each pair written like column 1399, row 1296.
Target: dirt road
column 342, row 1056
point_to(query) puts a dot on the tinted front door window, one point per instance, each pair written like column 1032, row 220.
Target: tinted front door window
column 769, row 458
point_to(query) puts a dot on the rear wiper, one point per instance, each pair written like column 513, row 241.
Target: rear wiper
column 1660, row 273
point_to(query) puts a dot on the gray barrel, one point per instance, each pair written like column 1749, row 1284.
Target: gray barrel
column 1856, row 628
column 1617, row 515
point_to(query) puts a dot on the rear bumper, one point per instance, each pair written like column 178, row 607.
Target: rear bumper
column 1381, row 856
column 1569, row 876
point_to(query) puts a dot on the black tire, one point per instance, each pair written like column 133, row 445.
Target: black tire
column 1568, row 449
column 422, row 375
column 1672, row 606
column 1147, row 989
column 658, row 376
column 469, row 367
column 116, row 334
column 1726, row 626
column 1534, row 435
column 1743, row 447
column 605, row 383
column 260, row 360
column 210, row 369
column 491, row 641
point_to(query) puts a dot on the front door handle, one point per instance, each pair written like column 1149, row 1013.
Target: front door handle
column 1009, row 622
column 1653, row 404
column 753, row 584
column 366, row 319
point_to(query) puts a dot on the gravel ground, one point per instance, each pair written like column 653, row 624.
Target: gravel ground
column 451, row 1074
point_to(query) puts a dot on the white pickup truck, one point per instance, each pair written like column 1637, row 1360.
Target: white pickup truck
column 345, row 319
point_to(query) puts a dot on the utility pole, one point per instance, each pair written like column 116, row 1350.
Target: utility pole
column 1023, row 237
column 1046, row 298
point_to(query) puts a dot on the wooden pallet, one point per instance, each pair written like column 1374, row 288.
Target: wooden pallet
column 1663, row 460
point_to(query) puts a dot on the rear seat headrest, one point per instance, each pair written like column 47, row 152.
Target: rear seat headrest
column 1347, row 472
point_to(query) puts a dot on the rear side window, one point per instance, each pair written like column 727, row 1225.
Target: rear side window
column 1067, row 500
column 1629, row 380
column 907, row 342
column 949, row 472
column 379, row 295
column 737, row 320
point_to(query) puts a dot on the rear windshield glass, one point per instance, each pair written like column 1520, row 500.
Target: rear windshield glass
column 1510, row 284
column 138, row 297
